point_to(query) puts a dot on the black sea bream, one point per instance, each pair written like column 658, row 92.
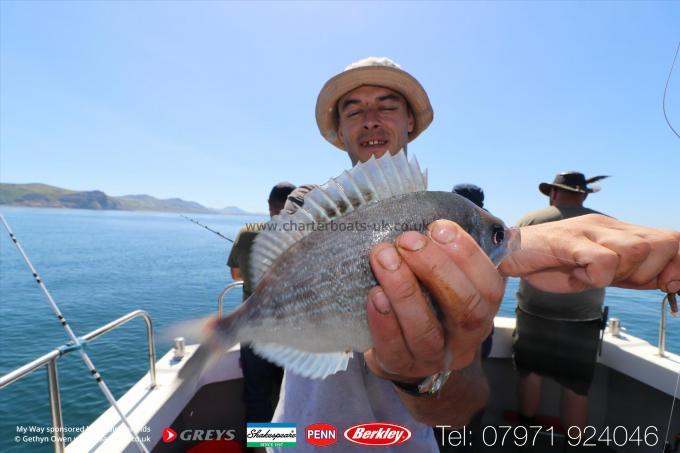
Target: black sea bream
column 311, row 272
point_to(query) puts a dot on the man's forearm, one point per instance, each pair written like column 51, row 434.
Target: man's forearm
column 464, row 394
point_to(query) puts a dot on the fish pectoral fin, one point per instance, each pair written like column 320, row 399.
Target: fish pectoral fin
column 313, row 365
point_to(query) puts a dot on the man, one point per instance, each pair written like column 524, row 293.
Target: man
column 374, row 107
column 557, row 334
column 472, row 192
column 261, row 377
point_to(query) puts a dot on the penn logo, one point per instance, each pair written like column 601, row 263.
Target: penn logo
column 377, row 434
column 321, row 434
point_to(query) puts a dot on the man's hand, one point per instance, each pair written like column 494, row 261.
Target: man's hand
column 596, row 251
column 566, row 256
column 409, row 341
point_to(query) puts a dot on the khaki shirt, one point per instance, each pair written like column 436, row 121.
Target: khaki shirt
column 583, row 306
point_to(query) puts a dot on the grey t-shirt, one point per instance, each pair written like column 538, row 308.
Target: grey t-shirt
column 345, row 399
column 583, row 306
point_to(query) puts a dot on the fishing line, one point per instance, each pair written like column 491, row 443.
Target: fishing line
column 76, row 341
column 672, row 303
column 665, row 115
column 207, row 228
column 663, row 103
column 670, row 416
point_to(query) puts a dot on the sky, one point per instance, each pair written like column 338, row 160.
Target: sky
column 214, row 101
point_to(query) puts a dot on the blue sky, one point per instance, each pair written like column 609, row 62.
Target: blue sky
column 214, row 102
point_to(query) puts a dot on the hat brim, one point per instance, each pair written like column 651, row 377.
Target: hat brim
column 545, row 187
column 384, row 76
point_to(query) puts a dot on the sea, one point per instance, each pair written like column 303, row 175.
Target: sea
column 101, row 265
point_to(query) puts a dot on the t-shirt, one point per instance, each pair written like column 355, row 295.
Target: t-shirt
column 240, row 254
column 583, row 306
column 344, row 399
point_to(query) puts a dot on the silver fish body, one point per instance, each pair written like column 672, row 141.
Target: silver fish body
column 314, row 296
column 308, row 310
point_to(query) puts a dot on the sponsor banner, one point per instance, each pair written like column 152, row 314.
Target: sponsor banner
column 377, row 434
column 271, row 434
column 321, row 434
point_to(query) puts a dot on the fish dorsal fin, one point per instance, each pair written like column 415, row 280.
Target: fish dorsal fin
column 313, row 365
column 366, row 183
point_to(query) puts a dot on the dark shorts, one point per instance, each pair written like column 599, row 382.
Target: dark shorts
column 562, row 350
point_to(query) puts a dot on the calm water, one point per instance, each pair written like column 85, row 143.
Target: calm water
column 100, row 265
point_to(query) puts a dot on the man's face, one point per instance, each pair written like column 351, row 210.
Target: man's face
column 373, row 120
column 565, row 198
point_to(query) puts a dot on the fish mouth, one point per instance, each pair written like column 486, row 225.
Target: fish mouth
column 512, row 243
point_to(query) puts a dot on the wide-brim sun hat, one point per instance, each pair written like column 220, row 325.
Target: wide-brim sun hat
column 572, row 181
column 375, row 71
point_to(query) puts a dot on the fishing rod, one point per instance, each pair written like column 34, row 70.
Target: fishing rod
column 207, row 228
column 77, row 343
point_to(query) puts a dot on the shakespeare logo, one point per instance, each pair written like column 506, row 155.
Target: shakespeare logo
column 271, row 435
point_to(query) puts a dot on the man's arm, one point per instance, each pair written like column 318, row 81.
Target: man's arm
column 409, row 340
column 464, row 394
column 233, row 261
column 595, row 251
column 571, row 255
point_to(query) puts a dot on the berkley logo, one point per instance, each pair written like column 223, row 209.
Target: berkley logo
column 321, row 434
column 377, row 434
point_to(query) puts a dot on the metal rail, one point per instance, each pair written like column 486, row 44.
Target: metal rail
column 220, row 298
column 149, row 337
column 50, row 360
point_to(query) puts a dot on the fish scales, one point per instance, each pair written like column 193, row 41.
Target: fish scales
column 322, row 281
column 308, row 310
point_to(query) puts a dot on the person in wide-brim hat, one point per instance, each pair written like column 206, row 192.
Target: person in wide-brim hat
column 571, row 181
column 375, row 71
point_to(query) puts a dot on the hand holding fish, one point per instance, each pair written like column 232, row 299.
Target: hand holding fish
column 409, row 341
column 596, row 251
column 310, row 311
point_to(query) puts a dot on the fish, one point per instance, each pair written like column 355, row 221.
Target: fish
column 311, row 271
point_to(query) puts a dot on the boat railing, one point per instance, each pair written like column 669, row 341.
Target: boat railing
column 220, row 298
column 50, row 360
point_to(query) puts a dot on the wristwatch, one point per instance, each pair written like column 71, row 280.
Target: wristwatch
column 427, row 386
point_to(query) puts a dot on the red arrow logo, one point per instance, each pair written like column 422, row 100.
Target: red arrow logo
column 169, row 435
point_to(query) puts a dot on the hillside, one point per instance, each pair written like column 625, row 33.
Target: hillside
column 45, row 196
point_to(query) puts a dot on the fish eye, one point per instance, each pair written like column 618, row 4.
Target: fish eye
column 497, row 234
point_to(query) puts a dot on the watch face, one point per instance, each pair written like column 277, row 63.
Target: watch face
column 434, row 383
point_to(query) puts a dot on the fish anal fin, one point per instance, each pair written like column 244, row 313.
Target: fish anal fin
column 313, row 365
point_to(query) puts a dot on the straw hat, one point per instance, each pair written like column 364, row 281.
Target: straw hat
column 378, row 71
column 572, row 181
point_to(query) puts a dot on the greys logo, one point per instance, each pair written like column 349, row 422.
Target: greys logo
column 199, row 434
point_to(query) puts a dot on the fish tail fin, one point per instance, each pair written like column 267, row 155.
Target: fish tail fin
column 222, row 335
